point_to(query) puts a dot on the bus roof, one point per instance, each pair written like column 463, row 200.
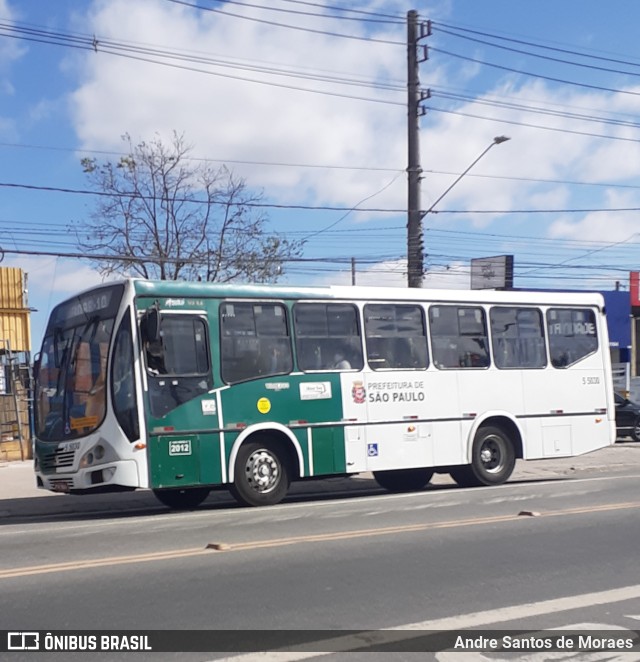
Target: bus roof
column 171, row 288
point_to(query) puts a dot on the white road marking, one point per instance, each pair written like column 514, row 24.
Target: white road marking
column 465, row 621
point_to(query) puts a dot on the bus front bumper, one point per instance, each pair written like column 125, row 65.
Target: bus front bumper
column 111, row 477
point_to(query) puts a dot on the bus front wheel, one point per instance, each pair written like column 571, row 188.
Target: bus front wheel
column 182, row 499
column 492, row 459
column 262, row 474
column 403, row 480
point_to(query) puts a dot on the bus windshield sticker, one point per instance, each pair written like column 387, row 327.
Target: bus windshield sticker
column 209, row 408
column 315, row 391
column 82, row 422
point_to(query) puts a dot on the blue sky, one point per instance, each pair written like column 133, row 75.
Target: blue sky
column 559, row 78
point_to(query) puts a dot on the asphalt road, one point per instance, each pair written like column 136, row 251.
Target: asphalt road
column 555, row 549
column 20, row 498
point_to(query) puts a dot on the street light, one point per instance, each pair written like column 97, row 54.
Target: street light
column 415, row 269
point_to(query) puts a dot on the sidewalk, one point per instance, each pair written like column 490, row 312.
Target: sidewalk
column 19, row 496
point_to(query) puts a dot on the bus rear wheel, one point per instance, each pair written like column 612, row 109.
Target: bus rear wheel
column 182, row 499
column 262, row 474
column 492, row 459
column 403, row 480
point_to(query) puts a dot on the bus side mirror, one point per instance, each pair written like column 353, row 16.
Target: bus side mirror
column 150, row 325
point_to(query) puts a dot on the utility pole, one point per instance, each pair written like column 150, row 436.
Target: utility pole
column 415, row 249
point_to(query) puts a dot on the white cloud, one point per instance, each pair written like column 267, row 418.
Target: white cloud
column 10, row 51
column 230, row 119
column 610, row 227
column 225, row 118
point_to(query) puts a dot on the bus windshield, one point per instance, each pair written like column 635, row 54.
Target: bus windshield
column 70, row 390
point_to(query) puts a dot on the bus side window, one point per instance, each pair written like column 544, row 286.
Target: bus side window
column 255, row 341
column 572, row 335
column 459, row 337
column 396, row 336
column 179, row 366
column 517, row 337
column 327, row 336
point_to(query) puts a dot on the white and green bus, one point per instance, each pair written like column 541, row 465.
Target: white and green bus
column 187, row 387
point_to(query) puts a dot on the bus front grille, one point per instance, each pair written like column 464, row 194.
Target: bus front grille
column 59, row 459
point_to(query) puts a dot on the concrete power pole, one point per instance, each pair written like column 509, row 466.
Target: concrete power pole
column 415, row 249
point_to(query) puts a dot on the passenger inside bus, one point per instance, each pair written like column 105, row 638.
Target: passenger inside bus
column 339, row 360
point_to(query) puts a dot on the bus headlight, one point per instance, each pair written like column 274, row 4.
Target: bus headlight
column 87, row 460
column 94, row 455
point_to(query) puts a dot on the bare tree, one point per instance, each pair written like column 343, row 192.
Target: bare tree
column 163, row 215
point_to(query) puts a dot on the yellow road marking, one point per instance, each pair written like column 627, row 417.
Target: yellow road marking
column 295, row 540
column 410, row 528
column 101, row 562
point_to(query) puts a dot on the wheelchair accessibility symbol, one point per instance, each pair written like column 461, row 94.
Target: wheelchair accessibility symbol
column 372, row 450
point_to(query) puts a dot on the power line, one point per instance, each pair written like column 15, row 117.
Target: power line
column 533, row 126
column 376, row 210
column 278, row 164
column 122, row 194
column 584, row 210
column 289, row 27
column 372, row 17
column 547, row 105
column 600, row 88
column 538, row 55
column 356, row 206
column 361, row 12
column 502, row 236
column 534, row 110
column 538, row 45
column 152, row 55
column 344, row 260
column 327, row 166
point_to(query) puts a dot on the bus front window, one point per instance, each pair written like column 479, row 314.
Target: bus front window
column 70, row 390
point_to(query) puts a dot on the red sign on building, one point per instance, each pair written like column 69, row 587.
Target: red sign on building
column 634, row 287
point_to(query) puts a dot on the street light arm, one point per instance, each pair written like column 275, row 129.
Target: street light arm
column 496, row 141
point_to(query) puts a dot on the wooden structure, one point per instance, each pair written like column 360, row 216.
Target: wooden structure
column 15, row 366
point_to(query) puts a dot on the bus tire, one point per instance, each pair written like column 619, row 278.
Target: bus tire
column 182, row 499
column 492, row 459
column 403, row 480
column 262, row 474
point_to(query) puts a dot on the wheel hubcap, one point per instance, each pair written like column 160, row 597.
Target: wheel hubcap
column 491, row 455
column 262, row 471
